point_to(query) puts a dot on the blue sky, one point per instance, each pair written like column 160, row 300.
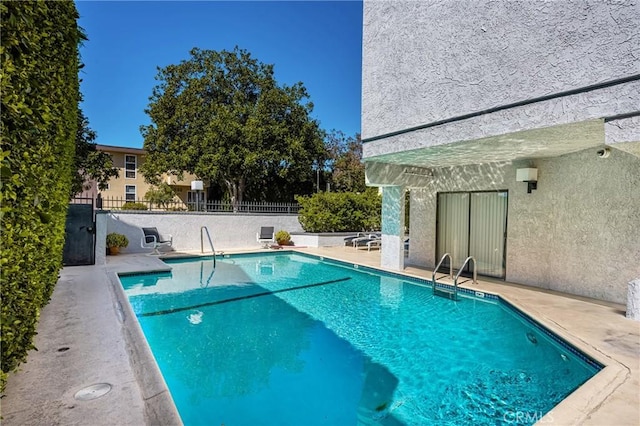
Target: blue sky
column 316, row 42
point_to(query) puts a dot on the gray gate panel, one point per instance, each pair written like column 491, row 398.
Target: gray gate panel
column 79, row 244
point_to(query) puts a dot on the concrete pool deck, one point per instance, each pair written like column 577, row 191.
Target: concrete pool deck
column 86, row 337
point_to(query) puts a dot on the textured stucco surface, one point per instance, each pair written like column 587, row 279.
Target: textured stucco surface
column 227, row 231
column 577, row 233
column 624, row 134
column 319, row 240
column 425, row 61
column 535, row 143
column 516, row 131
column 633, row 300
column 625, row 130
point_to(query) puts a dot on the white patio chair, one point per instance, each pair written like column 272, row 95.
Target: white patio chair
column 152, row 239
column 266, row 236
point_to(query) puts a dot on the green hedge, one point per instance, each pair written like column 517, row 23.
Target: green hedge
column 40, row 93
column 130, row 205
column 340, row 211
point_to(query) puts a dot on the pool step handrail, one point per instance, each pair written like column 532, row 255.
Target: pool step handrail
column 204, row 229
column 475, row 272
column 433, row 275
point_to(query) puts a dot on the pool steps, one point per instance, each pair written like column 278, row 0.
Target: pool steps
column 445, row 292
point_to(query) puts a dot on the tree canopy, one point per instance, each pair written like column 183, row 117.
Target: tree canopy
column 345, row 162
column 222, row 116
column 91, row 165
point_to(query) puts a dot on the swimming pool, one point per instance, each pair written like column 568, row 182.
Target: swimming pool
column 291, row 339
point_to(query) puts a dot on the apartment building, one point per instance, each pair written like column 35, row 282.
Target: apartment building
column 130, row 184
column 515, row 125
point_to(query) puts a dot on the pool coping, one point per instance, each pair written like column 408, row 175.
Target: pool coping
column 161, row 409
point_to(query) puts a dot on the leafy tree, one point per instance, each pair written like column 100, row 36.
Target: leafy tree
column 345, row 162
column 223, row 117
column 161, row 196
column 90, row 164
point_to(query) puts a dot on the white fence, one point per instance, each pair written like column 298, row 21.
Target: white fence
column 210, row 206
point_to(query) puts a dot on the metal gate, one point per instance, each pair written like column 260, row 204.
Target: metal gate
column 79, row 243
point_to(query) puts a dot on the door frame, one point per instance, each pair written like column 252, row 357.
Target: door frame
column 466, row 272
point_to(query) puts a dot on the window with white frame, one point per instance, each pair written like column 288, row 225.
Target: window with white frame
column 130, row 193
column 130, row 162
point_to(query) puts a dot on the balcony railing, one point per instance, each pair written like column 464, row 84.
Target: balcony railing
column 210, row 206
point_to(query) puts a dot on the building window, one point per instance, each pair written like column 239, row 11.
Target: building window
column 130, row 193
column 130, row 166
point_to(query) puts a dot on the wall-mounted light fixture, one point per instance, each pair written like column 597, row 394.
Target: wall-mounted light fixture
column 530, row 176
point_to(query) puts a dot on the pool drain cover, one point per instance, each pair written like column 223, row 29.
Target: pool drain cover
column 92, row 392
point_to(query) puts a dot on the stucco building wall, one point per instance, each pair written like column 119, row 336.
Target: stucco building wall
column 469, row 91
column 425, row 61
column 578, row 232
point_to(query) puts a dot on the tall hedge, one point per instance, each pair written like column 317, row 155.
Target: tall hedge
column 40, row 93
column 340, row 211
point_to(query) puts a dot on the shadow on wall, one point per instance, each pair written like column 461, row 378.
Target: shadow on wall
column 133, row 233
column 473, row 177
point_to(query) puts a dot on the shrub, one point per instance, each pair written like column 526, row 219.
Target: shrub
column 117, row 240
column 283, row 238
column 340, row 211
column 162, row 196
column 130, row 205
column 40, row 94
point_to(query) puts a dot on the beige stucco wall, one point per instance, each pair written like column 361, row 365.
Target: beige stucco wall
column 579, row 232
column 117, row 185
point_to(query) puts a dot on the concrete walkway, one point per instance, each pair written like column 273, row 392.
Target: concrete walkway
column 88, row 336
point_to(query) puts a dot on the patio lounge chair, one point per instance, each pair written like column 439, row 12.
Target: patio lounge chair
column 375, row 242
column 363, row 241
column 266, row 236
column 348, row 240
column 152, row 239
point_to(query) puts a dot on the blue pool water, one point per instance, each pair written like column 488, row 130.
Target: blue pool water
column 288, row 339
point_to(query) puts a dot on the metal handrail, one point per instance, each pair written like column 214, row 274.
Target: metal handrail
column 213, row 270
column 210, row 243
column 433, row 276
column 475, row 272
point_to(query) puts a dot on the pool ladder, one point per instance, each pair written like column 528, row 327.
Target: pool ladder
column 452, row 294
column 203, row 230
